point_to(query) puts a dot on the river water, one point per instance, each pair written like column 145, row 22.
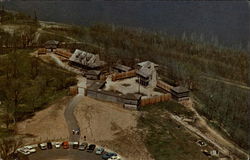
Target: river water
column 222, row 22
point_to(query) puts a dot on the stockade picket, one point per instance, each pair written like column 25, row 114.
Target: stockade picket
column 73, row 90
column 123, row 75
column 41, row 51
column 163, row 85
column 63, row 53
column 156, row 99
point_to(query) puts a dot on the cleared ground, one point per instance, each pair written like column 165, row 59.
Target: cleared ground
column 111, row 126
column 46, row 124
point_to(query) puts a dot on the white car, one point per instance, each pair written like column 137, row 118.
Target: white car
column 57, row 145
column 115, row 158
column 43, row 146
column 33, row 150
column 23, row 151
column 30, row 149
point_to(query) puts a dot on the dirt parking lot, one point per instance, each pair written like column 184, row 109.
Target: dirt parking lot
column 111, row 126
column 46, row 124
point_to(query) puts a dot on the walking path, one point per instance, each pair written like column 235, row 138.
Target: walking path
column 227, row 82
column 69, row 111
column 71, row 120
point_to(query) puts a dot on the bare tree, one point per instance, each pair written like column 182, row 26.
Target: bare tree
column 8, row 146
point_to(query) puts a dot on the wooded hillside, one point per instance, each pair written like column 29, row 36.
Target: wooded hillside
column 187, row 63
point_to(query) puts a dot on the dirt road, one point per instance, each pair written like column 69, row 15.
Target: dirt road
column 228, row 82
column 70, row 118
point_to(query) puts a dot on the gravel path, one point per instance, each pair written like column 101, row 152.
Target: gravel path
column 69, row 111
column 70, row 118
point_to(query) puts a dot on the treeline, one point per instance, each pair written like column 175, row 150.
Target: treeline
column 22, row 37
column 28, row 84
column 130, row 43
column 185, row 62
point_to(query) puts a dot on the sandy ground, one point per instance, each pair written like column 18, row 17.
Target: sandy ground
column 111, row 126
column 46, row 124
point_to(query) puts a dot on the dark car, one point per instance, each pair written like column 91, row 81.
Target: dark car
column 108, row 155
column 91, row 148
column 75, row 145
column 83, row 146
column 49, row 145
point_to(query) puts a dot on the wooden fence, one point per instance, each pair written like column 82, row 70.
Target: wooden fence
column 123, row 75
column 156, row 99
column 41, row 51
column 164, row 85
column 63, row 53
column 73, row 90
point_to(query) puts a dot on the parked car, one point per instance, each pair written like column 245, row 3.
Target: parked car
column 43, row 146
column 201, row 143
column 23, row 151
column 83, row 146
column 30, row 149
column 78, row 131
column 91, row 148
column 108, row 155
column 57, row 145
column 99, row 151
column 115, row 158
column 49, row 145
column 75, row 145
column 206, row 153
column 65, row 145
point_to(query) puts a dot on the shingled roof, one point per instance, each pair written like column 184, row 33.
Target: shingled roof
column 86, row 59
column 122, row 67
column 144, row 72
column 147, row 64
column 146, row 68
column 180, row 89
column 52, row 42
